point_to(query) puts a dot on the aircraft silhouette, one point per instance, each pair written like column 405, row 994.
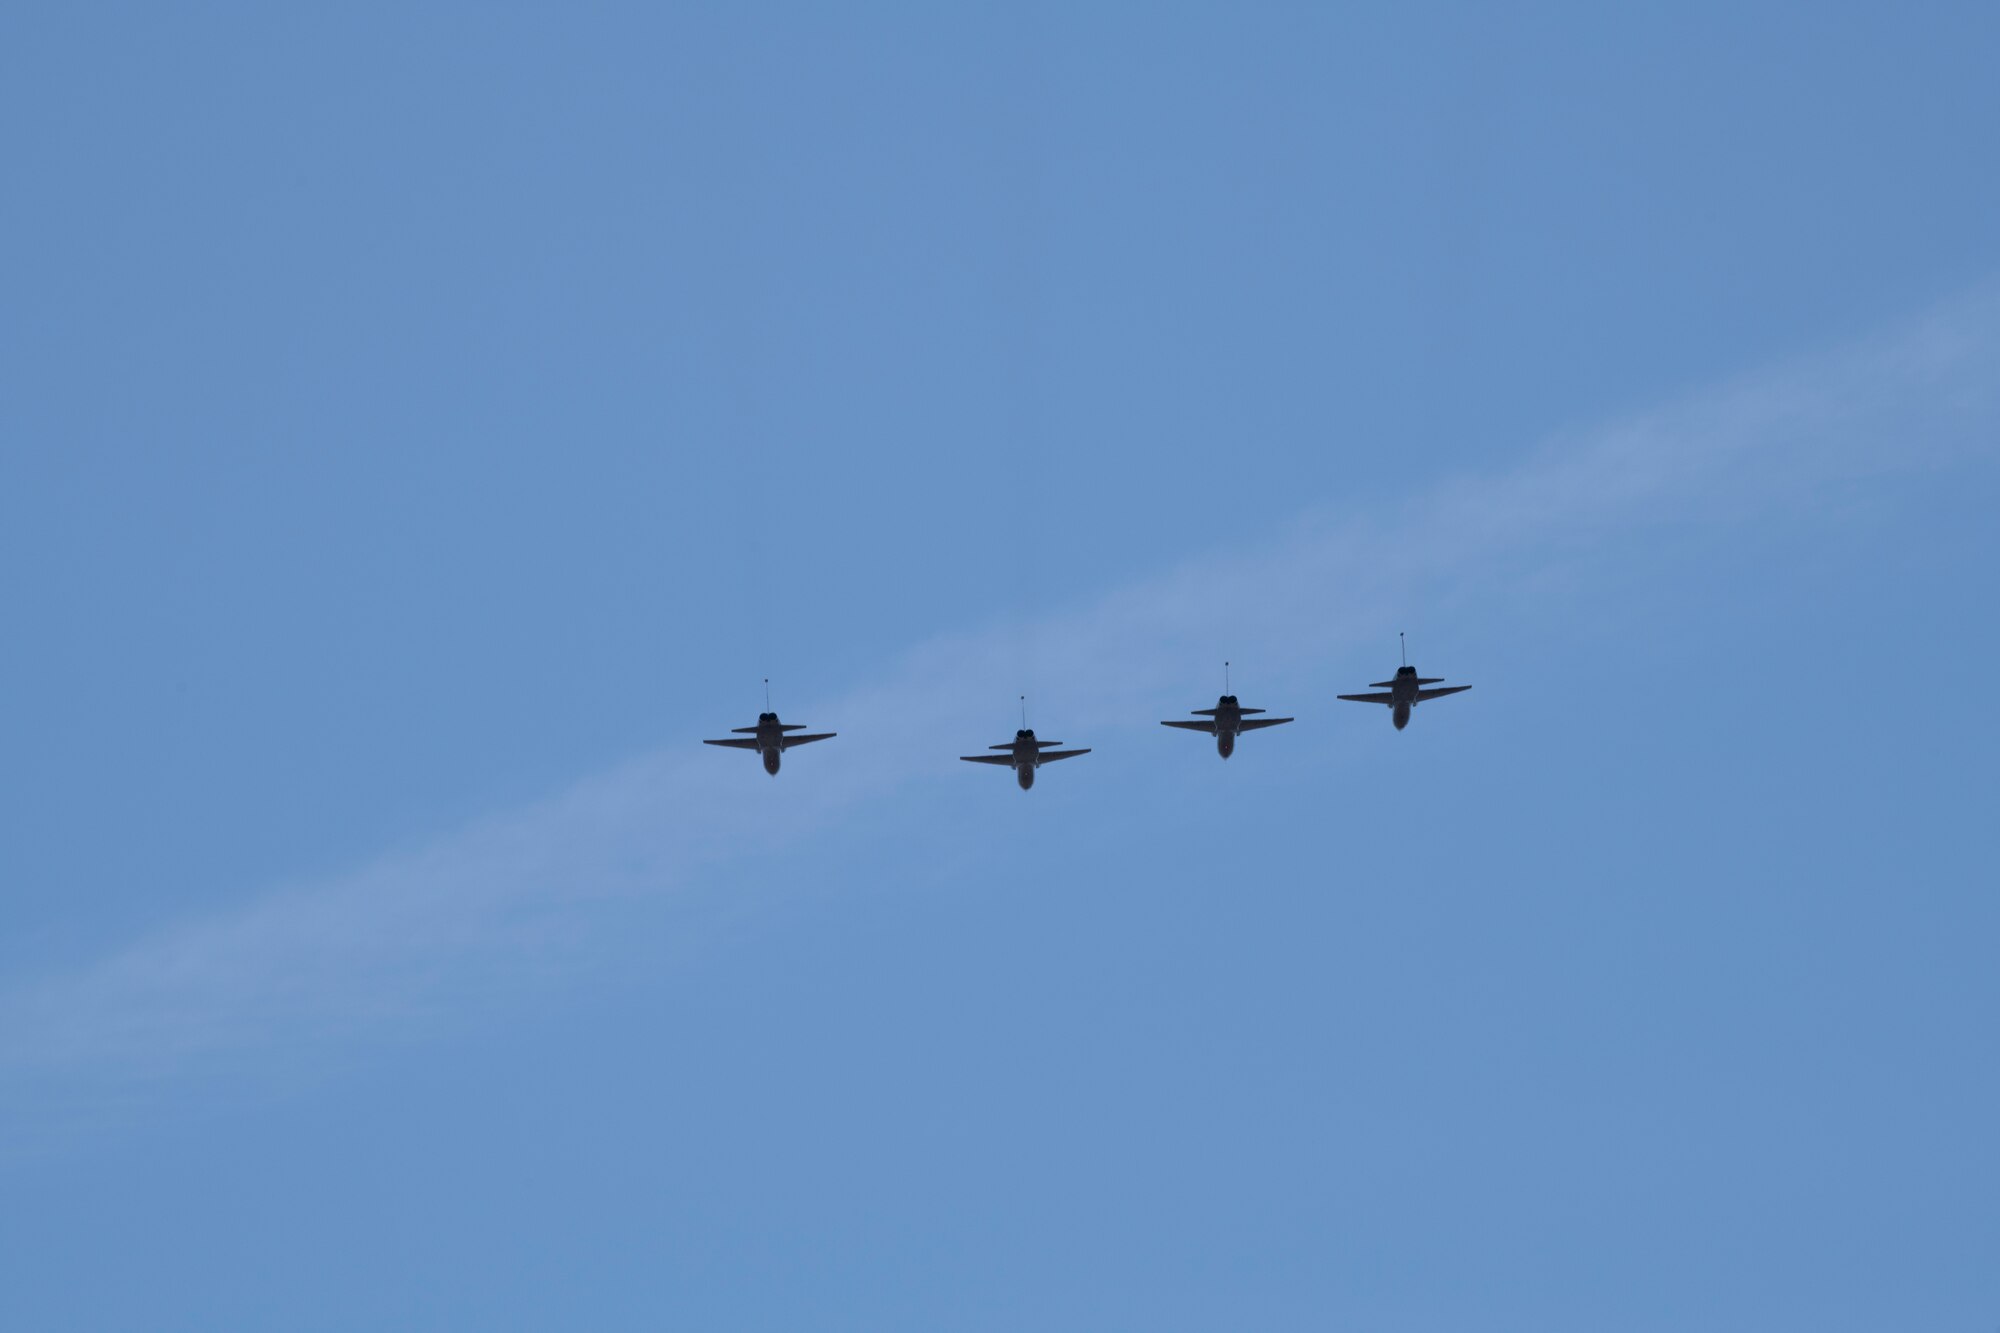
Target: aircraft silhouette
column 1405, row 692
column 769, row 737
column 1228, row 719
column 1024, row 755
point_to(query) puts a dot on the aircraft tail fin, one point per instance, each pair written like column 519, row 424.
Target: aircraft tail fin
column 1247, row 711
column 1430, row 680
column 1204, row 712
column 743, row 731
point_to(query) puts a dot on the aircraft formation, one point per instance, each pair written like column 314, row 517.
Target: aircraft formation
column 770, row 738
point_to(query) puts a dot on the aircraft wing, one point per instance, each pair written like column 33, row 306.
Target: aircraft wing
column 1208, row 727
column 1255, row 723
column 1006, row 759
column 1048, row 755
column 734, row 745
column 1385, row 697
column 1439, row 694
column 790, row 741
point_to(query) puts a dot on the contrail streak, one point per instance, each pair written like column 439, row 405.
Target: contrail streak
column 366, row 952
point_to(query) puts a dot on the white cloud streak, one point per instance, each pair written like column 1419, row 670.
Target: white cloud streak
column 366, row 953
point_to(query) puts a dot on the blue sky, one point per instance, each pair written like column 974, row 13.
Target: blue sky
column 418, row 429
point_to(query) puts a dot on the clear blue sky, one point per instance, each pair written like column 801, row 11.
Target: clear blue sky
column 421, row 425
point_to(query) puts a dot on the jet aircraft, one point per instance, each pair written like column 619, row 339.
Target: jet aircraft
column 1227, row 719
column 1405, row 692
column 769, row 737
column 1024, row 755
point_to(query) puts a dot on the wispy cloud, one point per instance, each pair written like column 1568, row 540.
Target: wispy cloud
column 366, row 952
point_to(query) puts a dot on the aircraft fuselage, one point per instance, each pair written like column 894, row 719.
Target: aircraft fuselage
column 770, row 744
column 1228, row 721
column 1403, row 696
column 1027, row 758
